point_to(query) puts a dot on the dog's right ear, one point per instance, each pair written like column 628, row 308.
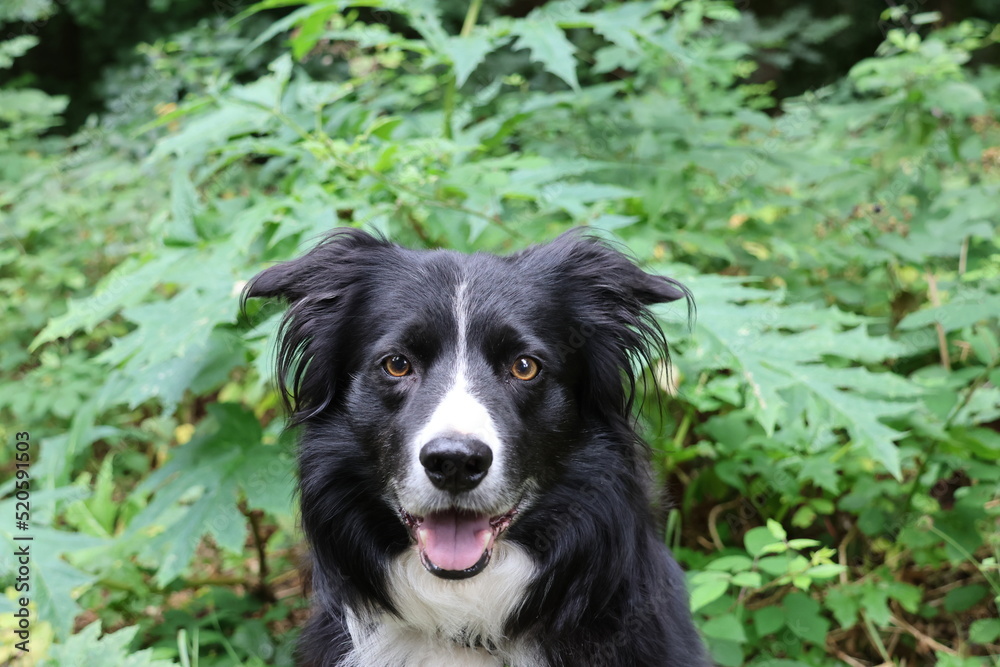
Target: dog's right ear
column 319, row 286
column 281, row 280
column 316, row 271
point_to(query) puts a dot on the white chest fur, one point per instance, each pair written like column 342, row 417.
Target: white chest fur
column 442, row 621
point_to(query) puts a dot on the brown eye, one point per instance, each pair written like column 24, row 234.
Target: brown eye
column 397, row 366
column 525, row 368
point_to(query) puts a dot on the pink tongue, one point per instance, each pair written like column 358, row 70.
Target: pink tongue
column 453, row 540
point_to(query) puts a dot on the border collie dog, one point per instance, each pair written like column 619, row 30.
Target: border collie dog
column 472, row 487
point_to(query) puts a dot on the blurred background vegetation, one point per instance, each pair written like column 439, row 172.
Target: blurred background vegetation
column 824, row 176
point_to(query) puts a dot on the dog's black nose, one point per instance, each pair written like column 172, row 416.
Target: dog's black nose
column 455, row 464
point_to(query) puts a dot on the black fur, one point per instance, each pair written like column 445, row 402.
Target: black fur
column 607, row 590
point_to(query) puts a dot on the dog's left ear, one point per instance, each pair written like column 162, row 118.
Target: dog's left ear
column 649, row 288
column 596, row 263
column 609, row 294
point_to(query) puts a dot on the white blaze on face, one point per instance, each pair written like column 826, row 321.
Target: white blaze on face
column 460, row 413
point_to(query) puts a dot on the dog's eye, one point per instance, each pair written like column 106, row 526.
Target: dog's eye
column 397, row 366
column 525, row 368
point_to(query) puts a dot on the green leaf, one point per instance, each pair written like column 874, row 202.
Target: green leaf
column 984, row 631
column 55, row 584
column 88, row 648
column 825, row 570
column 803, row 543
column 964, row 598
column 768, row 620
column 198, row 490
column 776, row 548
column 843, row 605
column 747, row 580
column 822, row 472
column 14, row 48
column 758, row 538
column 734, row 329
column 777, row 566
column 776, row 529
column 957, row 314
column 707, row 593
column 731, row 564
column 126, row 285
column 875, row 602
column 908, row 595
column 957, row 98
column 726, row 627
column 618, row 23
column 548, row 46
column 924, row 18
column 803, row 618
column 467, row 53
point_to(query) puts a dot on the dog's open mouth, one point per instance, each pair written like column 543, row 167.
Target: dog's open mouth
column 456, row 544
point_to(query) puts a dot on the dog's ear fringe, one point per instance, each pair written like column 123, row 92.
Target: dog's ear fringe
column 321, row 276
column 633, row 332
column 583, row 246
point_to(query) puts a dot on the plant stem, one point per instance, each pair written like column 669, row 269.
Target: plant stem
column 471, row 16
column 682, row 430
column 451, row 87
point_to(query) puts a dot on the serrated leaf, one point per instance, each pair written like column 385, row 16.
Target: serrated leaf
column 224, row 462
column 875, row 602
column 88, row 648
column 55, row 584
column 548, row 45
column 821, row 472
column 955, row 315
column 468, row 52
column 617, row 23
column 126, row 285
column 750, row 328
column 843, row 605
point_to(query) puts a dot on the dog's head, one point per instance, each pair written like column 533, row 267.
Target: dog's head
column 465, row 379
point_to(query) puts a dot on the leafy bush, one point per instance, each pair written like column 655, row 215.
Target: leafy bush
column 832, row 415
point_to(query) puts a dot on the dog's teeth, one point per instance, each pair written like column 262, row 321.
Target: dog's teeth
column 422, row 535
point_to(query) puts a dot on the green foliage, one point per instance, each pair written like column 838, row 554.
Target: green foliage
column 89, row 648
column 832, row 412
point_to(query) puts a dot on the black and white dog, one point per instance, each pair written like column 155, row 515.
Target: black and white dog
column 471, row 484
